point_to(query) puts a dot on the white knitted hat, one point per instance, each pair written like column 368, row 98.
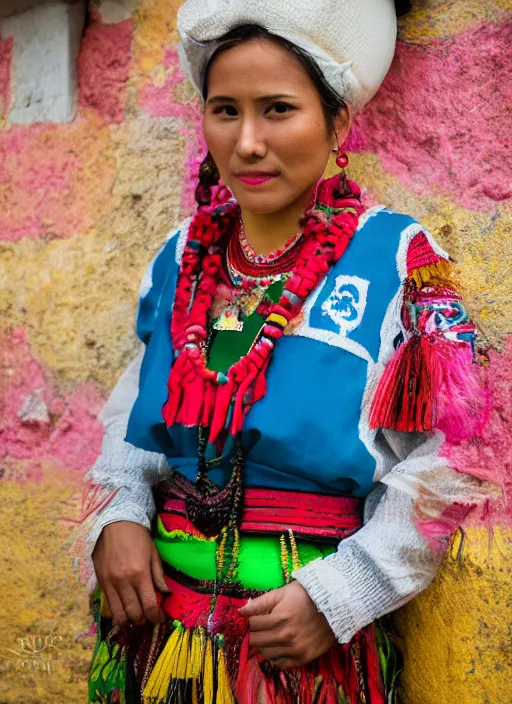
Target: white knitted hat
column 352, row 41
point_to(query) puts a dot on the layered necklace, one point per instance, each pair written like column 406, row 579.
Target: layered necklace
column 250, row 276
column 200, row 397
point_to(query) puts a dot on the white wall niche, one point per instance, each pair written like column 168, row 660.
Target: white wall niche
column 46, row 41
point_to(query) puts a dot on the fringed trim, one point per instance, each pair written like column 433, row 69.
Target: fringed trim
column 191, row 668
column 95, row 498
column 440, row 274
column 431, row 382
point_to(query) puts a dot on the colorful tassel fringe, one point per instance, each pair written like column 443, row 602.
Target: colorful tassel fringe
column 431, row 381
column 191, row 667
column 439, row 274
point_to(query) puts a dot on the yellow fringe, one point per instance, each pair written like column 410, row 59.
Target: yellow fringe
column 224, row 693
column 158, row 682
column 195, row 698
column 188, row 655
column 438, row 274
column 221, row 549
column 234, row 557
column 196, row 649
column 295, row 552
column 208, row 673
column 285, row 560
column 180, row 671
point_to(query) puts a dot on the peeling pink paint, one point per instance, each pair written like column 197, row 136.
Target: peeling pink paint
column 104, row 67
column 451, row 130
column 5, row 74
column 489, row 455
column 37, row 424
column 159, row 100
column 48, row 187
column 33, row 178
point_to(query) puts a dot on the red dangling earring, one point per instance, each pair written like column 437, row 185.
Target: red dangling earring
column 342, row 159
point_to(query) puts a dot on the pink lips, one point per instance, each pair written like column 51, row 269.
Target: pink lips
column 255, row 180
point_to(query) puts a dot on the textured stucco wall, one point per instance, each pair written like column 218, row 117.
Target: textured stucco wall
column 84, row 206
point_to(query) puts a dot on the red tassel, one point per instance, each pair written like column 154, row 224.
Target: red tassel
column 249, row 681
column 208, row 403
column 374, row 683
column 175, row 390
column 405, row 396
column 189, row 413
column 238, row 410
column 220, row 411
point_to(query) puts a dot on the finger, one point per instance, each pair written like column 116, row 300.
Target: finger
column 119, row 615
column 148, row 600
column 261, row 605
column 132, row 604
column 265, row 623
column 276, row 637
column 157, row 571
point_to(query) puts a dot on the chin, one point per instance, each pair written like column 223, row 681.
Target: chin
column 260, row 203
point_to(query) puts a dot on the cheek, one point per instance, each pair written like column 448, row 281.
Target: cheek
column 219, row 142
column 303, row 146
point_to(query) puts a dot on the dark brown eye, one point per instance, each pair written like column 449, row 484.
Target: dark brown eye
column 281, row 108
column 228, row 110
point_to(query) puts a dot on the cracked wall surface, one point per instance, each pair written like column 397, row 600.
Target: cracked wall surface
column 85, row 205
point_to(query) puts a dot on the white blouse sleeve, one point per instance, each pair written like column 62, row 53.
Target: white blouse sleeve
column 122, row 468
column 389, row 561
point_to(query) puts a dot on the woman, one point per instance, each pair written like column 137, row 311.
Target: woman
column 302, row 362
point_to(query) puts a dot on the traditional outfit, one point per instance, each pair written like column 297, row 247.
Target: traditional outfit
column 283, row 420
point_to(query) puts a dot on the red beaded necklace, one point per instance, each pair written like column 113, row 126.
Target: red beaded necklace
column 198, row 396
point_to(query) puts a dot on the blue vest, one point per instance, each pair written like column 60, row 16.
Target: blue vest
column 307, row 433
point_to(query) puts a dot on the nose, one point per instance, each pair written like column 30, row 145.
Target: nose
column 251, row 141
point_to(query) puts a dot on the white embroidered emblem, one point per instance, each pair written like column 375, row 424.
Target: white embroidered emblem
column 346, row 304
column 334, row 311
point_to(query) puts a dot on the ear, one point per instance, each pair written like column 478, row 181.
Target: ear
column 341, row 123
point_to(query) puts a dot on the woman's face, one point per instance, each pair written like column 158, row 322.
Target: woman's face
column 265, row 126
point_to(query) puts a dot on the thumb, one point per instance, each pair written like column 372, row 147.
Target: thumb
column 158, row 571
column 261, row 606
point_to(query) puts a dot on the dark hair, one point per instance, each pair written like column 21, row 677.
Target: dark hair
column 332, row 103
column 402, row 6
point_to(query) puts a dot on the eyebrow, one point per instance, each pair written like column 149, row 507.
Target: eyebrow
column 262, row 99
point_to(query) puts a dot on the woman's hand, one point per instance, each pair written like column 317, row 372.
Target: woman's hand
column 128, row 568
column 286, row 626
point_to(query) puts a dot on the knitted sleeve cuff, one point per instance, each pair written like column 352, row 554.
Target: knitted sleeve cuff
column 352, row 589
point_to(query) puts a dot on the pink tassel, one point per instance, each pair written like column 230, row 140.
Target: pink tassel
column 462, row 398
